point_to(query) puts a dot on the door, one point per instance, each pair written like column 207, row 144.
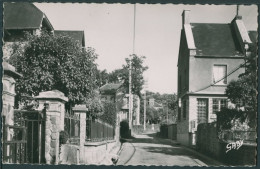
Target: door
column 202, row 110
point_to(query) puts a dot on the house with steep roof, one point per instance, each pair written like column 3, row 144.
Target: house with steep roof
column 75, row 35
column 115, row 92
column 23, row 16
column 210, row 56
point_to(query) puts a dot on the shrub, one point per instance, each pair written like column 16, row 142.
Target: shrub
column 124, row 128
column 64, row 136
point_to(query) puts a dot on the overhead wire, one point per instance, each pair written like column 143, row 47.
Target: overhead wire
column 231, row 72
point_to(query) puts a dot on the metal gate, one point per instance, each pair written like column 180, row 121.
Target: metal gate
column 24, row 142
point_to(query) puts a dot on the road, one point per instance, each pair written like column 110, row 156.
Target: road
column 148, row 149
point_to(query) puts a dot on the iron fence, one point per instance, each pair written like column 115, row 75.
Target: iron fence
column 97, row 130
column 72, row 126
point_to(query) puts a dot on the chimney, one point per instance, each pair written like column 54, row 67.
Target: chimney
column 185, row 17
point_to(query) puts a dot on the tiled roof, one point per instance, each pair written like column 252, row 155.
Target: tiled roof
column 215, row 40
column 110, row 87
column 22, row 15
column 76, row 35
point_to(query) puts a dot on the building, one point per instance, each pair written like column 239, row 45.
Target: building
column 115, row 92
column 210, row 56
column 22, row 16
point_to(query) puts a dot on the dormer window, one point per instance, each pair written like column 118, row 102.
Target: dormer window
column 220, row 74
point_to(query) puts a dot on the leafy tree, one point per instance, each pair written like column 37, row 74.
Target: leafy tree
column 243, row 92
column 109, row 113
column 123, row 74
column 50, row 62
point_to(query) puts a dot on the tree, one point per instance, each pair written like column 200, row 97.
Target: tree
column 243, row 92
column 50, row 62
column 123, row 74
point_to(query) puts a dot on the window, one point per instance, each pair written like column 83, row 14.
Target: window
column 220, row 74
column 202, row 108
column 218, row 104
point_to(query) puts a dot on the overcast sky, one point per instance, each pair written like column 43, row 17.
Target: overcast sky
column 109, row 29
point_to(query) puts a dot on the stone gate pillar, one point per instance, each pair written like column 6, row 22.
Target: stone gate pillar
column 54, row 101
column 8, row 94
column 81, row 110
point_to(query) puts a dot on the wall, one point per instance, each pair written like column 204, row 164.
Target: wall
column 172, row 131
column 96, row 153
column 207, row 139
column 202, row 69
column 208, row 143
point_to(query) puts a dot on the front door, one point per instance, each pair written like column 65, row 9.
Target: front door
column 202, row 110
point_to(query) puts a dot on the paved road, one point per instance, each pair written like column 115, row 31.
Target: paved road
column 147, row 149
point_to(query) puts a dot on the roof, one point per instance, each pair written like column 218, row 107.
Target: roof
column 76, row 35
column 110, row 87
column 215, row 39
column 23, row 15
column 253, row 36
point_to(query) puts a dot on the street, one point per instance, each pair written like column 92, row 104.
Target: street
column 149, row 149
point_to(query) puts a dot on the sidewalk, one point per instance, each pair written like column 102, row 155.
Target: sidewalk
column 204, row 157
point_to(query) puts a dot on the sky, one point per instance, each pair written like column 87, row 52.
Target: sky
column 109, row 29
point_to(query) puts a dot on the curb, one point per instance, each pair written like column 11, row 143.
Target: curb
column 124, row 162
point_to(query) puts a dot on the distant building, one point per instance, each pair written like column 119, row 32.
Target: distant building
column 115, row 92
column 154, row 104
column 210, row 56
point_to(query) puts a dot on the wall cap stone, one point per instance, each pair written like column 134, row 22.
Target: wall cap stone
column 52, row 95
column 98, row 143
column 80, row 108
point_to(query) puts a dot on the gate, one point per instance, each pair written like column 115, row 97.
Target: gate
column 24, row 141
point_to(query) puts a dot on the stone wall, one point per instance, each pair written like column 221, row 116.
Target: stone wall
column 52, row 139
column 209, row 144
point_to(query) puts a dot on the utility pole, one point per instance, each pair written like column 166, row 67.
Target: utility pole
column 145, row 85
column 130, row 76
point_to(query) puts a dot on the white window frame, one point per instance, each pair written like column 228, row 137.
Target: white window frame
column 224, row 80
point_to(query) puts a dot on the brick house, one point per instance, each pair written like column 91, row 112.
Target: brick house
column 210, row 56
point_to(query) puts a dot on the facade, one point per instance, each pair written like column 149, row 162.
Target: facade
column 210, row 56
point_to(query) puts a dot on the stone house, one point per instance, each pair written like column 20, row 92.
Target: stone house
column 210, row 56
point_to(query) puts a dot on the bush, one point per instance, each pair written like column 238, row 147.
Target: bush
column 64, row 136
column 124, row 129
column 231, row 119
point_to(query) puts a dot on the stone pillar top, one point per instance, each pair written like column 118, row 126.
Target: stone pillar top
column 10, row 70
column 52, row 95
column 80, row 108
